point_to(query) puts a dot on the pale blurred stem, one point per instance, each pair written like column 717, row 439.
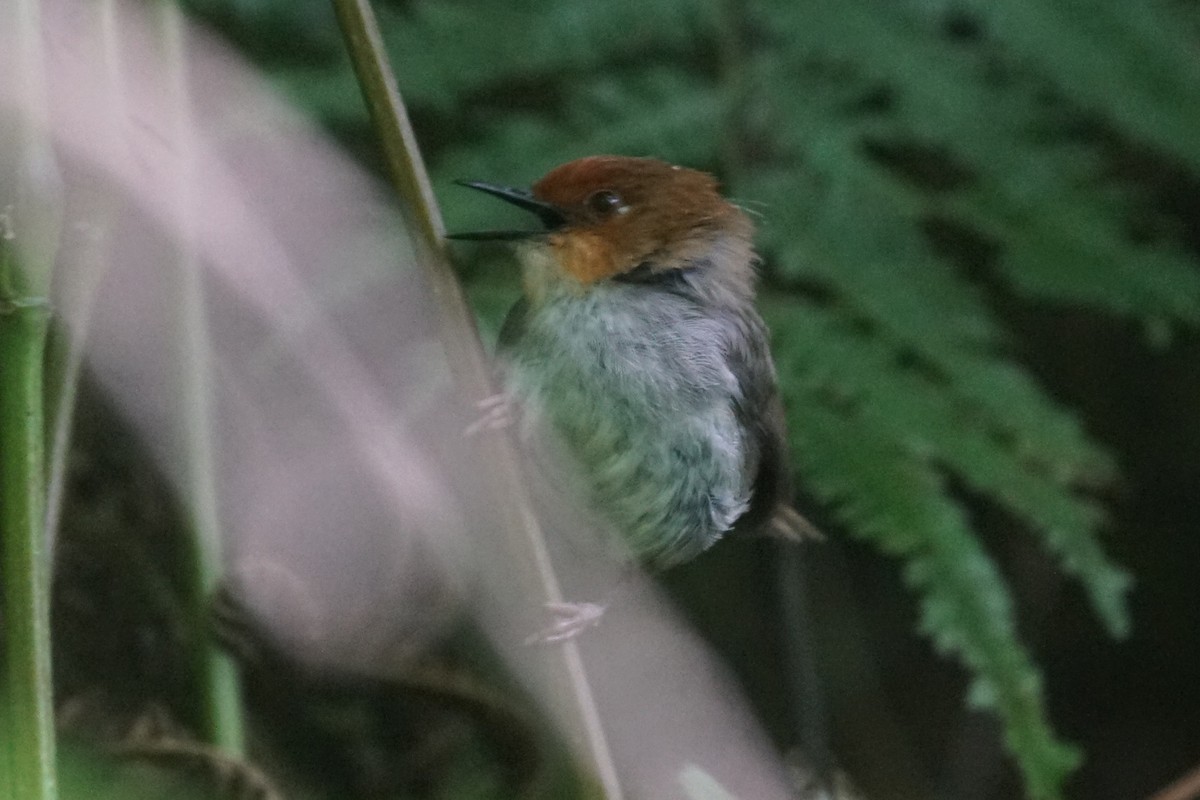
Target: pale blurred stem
column 99, row 211
column 64, row 364
column 508, row 492
column 1186, row 788
column 219, row 711
column 28, row 238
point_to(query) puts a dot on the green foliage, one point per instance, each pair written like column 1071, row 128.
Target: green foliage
column 877, row 446
column 915, row 166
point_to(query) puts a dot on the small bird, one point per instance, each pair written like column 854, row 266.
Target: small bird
column 638, row 340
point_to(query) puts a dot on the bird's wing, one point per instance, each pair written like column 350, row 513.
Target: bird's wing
column 761, row 411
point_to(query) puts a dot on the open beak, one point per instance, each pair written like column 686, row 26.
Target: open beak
column 550, row 215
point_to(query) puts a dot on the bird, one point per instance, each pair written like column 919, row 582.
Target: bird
column 637, row 340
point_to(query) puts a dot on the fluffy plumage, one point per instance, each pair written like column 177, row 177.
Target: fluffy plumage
column 638, row 341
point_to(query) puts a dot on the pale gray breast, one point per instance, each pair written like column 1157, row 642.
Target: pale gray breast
column 638, row 385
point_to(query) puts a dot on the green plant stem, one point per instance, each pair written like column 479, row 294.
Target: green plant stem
column 512, row 504
column 99, row 212
column 29, row 225
column 219, row 708
column 388, row 115
column 29, row 715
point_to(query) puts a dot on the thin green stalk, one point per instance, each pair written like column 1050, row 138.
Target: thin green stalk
column 28, row 717
column 28, row 235
column 389, row 116
column 509, row 493
column 220, row 703
column 99, row 211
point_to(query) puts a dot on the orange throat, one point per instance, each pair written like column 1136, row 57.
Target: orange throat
column 585, row 257
column 567, row 262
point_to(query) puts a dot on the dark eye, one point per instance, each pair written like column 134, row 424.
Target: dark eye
column 605, row 201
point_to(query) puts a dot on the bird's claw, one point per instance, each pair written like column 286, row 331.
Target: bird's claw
column 496, row 414
column 570, row 620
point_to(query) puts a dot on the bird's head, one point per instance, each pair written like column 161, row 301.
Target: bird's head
column 605, row 216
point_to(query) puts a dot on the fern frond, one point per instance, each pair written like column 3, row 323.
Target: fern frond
column 929, row 419
column 526, row 44
column 1125, row 60
column 660, row 113
column 1041, row 197
column 900, row 506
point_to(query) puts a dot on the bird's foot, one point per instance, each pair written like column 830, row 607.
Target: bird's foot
column 496, row 412
column 570, row 620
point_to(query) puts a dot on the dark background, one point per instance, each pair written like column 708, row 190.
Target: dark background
column 894, row 709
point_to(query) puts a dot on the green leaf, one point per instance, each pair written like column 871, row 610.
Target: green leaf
column 982, row 439
column 899, row 504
